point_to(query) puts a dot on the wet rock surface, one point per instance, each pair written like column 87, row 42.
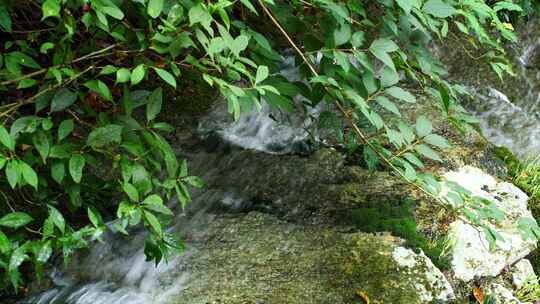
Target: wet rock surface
column 257, row 258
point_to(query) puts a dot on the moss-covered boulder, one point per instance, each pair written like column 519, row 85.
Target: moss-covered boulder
column 257, row 258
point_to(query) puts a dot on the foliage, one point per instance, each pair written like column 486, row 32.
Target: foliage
column 84, row 83
column 529, row 292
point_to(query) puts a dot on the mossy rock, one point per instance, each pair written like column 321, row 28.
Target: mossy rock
column 257, row 258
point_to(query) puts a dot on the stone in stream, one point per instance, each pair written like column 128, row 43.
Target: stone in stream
column 260, row 259
column 471, row 254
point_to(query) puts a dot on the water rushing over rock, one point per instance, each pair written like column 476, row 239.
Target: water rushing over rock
column 508, row 110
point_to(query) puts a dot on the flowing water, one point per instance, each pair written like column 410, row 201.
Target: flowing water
column 509, row 110
column 115, row 271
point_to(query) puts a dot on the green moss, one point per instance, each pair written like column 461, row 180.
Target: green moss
column 397, row 218
column 511, row 161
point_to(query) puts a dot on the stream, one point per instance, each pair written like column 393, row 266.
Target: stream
column 115, row 271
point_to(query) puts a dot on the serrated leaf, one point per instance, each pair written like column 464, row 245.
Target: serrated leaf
column 76, row 166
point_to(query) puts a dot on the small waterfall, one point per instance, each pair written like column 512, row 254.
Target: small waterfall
column 509, row 111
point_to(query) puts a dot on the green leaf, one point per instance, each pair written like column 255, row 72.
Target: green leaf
column 113, row 11
column 65, row 128
column 154, row 8
column 104, row 136
column 250, row 6
column 6, row 139
column 428, row 152
column 29, row 175
column 138, row 74
column 45, row 252
column 131, row 191
column 15, row 220
column 153, row 200
column 199, row 14
column 58, row 171
column 94, row 217
column 380, row 49
column 5, row 244
column 342, row 34
column 42, row 144
column 262, row 74
column 423, row 126
column 401, row 94
column 239, row 44
column 76, row 166
column 107, row 70
column 439, row 9
column 12, row 173
column 62, row 100
column 195, row 181
column 50, row 8
column 166, row 76
column 388, row 105
column 99, row 87
column 57, row 219
column 18, row 256
column 153, row 106
column 122, row 75
column 153, row 222
column 5, row 19
column 437, row 141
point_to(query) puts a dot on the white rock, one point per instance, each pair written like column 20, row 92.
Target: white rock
column 431, row 283
column 470, row 254
column 522, row 272
column 503, row 295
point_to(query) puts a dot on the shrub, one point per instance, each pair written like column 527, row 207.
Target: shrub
column 83, row 84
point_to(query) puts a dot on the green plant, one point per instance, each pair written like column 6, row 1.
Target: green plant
column 84, row 82
column 529, row 292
